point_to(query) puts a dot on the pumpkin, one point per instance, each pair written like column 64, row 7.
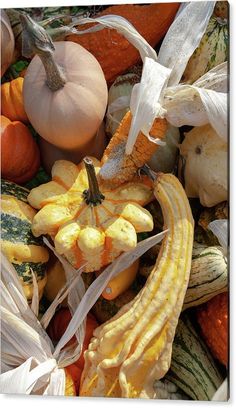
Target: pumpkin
column 205, row 167
column 51, row 153
column 212, row 50
column 213, row 319
column 114, row 53
column 57, row 328
column 132, row 349
column 7, row 43
column 20, row 157
column 22, row 249
column 89, row 224
column 64, row 92
column 12, row 105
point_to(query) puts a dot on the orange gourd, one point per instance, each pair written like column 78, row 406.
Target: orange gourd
column 213, row 317
column 20, row 157
column 114, row 53
column 12, row 105
column 57, row 328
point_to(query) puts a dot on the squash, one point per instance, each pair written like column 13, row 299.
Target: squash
column 114, row 53
column 90, row 225
column 212, row 50
column 12, row 105
column 20, row 156
column 221, row 9
column 193, row 368
column 21, row 248
column 208, row 277
column 165, row 389
column 213, row 319
column 51, row 153
column 64, row 92
column 133, row 348
column 7, row 42
column 205, row 168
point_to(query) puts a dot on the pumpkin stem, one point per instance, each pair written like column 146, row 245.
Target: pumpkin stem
column 92, row 196
column 35, row 40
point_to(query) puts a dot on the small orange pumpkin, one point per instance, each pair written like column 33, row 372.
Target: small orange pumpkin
column 20, row 157
column 12, row 105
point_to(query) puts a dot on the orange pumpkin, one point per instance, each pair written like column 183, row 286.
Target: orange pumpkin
column 57, row 328
column 12, row 105
column 20, row 157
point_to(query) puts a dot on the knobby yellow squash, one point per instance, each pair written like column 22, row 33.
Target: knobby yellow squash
column 131, row 350
column 90, row 225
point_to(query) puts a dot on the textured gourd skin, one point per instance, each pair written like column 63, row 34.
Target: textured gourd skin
column 21, row 248
column 133, row 349
column 69, row 117
column 20, row 156
column 89, row 235
column 114, row 53
column 213, row 320
column 208, row 277
column 12, row 105
column 193, row 368
column 212, row 50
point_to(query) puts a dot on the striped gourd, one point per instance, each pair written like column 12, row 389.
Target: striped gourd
column 192, row 366
column 212, row 50
column 134, row 347
column 19, row 245
column 208, row 275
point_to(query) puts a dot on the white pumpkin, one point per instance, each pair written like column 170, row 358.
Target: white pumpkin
column 205, row 161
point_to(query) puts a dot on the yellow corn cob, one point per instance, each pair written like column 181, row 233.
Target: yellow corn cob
column 134, row 347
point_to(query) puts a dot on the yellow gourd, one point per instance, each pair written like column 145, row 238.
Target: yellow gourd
column 132, row 349
column 90, row 225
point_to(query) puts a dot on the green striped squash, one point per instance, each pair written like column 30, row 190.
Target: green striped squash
column 212, row 50
column 208, row 275
column 192, row 367
column 22, row 249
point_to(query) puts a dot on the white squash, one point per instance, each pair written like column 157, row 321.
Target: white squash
column 204, row 165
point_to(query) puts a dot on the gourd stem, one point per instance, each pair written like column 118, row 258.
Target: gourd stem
column 55, row 77
column 92, row 196
column 35, row 40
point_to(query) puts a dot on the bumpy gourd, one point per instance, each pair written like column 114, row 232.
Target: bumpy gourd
column 90, row 225
column 133, row 349
column 21, row 248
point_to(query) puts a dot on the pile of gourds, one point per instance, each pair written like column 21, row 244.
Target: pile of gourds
column 161, row 323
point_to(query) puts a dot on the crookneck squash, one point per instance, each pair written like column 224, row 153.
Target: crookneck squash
column 131, row 350
column 90, row 225
column 21, row 248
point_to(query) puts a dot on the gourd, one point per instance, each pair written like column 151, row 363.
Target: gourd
column 7, row 43
column 213, row 320
column 12, row 105
column 131, row 350
column 21, row 248
column 20, row 156
column 90, row 225
column 208, row 275
column 64, row 92
column 205, row 167
column 212, row 50
column 114, row 53
column 193, row 368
